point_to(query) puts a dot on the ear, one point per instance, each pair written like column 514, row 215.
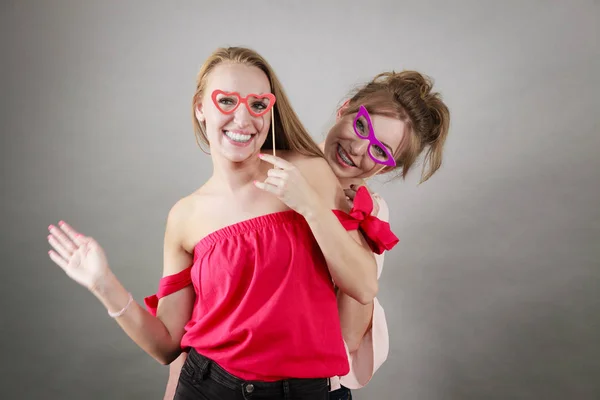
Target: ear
column 199, row 111
column 341, row 110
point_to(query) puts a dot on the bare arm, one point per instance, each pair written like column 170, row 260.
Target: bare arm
column 350, row 260
column 159, row 336
column 308, row 186
column 356, row 319
column 174, row 372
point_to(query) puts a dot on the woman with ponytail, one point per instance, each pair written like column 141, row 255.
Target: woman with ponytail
column 384, row 127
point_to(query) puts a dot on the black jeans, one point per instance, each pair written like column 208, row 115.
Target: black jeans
column 342, row 393
column 203, row 379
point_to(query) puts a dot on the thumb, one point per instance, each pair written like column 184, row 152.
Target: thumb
column 92, row 244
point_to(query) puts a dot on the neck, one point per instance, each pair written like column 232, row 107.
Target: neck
column 233, row 176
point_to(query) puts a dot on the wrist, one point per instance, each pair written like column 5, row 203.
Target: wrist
column 112, row 295
column 104, row 285
column 315, row 212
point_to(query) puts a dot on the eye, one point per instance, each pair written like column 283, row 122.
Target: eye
column 379, row 152
column 227, row 101
column 360, row 126
column 259, row 106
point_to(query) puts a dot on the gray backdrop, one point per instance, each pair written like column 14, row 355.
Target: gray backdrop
column 493, row 291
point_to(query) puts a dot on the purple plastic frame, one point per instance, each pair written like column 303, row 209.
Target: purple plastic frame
column 362, row 112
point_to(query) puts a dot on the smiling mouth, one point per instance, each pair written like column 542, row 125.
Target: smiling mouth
column 238, row 137
column 344, row 158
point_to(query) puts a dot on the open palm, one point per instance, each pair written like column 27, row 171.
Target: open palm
column 82, row 258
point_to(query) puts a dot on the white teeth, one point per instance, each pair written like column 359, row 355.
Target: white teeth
column 238, row 137
column 344, row 157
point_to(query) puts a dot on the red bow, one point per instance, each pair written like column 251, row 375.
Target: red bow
column 377, row 233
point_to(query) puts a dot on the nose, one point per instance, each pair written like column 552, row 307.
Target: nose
column 242, row 116
column 358, row 147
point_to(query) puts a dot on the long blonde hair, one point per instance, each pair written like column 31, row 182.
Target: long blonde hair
column 290, row 134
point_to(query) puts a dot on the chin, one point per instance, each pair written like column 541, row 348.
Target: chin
column 240, row 152
column 238, row 156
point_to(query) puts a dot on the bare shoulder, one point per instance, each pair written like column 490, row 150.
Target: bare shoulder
column 312, row 167
column 319, row 175
column 181, row 210
column 183, row 214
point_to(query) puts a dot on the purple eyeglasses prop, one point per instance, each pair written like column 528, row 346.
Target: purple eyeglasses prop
column 377, row 151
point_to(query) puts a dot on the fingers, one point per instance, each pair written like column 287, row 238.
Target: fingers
column 67, row 264
column 276, row 161
column 350, row 193
column 65, row 242
column 277, row 173
column 274, row 181
column 277, row 178
column 271, row 184
column 61, row 240
column 59, row 249
column 263, row 186
column 356, row 187
column 71, row 233
column 58, row 260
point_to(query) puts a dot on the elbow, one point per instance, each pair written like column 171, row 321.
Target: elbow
column 353, row 344
column 355, row 337
column 365, row 298
column 168, row 356
column 368, row 292
column 163, row 359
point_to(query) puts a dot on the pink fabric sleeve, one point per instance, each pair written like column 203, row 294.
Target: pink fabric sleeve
column 372, row 351
column 168, row 284
column 374, row 347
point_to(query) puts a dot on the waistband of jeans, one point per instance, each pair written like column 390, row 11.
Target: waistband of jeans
column 208, row 368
